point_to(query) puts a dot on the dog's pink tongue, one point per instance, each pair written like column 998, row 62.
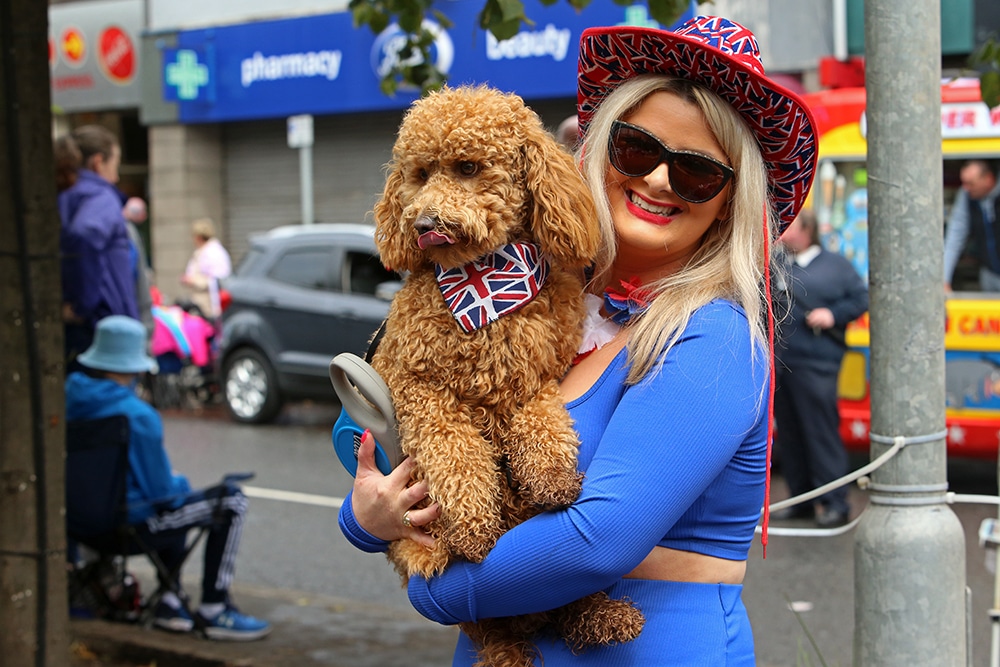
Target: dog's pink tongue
column 428, row 239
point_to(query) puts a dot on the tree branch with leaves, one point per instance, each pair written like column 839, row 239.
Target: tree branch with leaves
column 413, row 65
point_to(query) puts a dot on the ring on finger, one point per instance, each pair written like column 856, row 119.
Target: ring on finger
column 406, row 519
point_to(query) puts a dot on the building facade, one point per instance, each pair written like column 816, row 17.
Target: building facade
column 202, row 93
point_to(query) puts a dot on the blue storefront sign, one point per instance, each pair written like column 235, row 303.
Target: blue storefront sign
column 324, row 65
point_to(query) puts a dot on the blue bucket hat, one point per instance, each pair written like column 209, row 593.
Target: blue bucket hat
column 119, row 346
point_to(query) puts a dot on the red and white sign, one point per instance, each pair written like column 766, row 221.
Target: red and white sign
column 969, row 120
column 116, row 55
column 97, row 59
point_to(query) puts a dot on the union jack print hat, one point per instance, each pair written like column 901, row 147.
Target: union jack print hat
column 721, row 55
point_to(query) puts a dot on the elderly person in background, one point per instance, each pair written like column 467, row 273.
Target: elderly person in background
column 208, row 265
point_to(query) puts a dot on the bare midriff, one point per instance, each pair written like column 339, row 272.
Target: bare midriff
column 673, row 565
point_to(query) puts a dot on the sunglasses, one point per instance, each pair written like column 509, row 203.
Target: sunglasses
column 694, row 178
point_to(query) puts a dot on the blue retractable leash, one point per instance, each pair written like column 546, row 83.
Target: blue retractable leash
column 366, row 404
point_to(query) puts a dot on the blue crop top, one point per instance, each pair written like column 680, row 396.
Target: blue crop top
column 677, row 460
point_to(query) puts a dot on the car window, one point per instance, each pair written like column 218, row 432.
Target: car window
column 246, row 264
column 365, row 272
column 305, row 267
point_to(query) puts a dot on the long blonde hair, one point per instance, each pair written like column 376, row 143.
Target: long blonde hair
column 730, row 262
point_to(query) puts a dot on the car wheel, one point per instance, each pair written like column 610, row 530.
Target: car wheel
column 251, row 389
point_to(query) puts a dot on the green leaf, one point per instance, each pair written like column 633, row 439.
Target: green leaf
column 379, row 22
column 506, row 30
column 511, row 10
column 503, row 18
column 388, row 85
column 667, row 11
column 411, row 20
column 989, row 88
column 424, row 41
column 444, row 20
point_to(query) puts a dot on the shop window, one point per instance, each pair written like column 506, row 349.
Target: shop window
column 958, row 23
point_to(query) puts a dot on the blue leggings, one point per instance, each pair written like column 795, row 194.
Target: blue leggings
column 687, row 625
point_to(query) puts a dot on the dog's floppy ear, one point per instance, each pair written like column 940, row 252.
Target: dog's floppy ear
column 391, row 237
column 563, row 217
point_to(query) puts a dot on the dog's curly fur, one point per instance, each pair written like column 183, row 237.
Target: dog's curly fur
column 481, row 412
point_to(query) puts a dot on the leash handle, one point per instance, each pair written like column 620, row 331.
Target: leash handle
column 366, row 399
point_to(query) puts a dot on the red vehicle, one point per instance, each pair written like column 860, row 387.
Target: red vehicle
column 972, row 329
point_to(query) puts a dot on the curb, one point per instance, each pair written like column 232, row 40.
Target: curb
column 134, row 644
column 308, row 631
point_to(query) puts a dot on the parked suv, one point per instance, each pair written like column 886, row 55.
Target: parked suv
column 302, row 295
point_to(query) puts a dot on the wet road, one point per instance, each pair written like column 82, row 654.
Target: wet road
column 292, row 542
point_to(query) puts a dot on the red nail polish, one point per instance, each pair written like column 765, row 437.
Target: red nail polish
column 366, row 434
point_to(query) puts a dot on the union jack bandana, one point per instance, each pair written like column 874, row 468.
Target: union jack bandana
column 493, row 285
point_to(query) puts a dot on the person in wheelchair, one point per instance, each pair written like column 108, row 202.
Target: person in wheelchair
column 161, row 504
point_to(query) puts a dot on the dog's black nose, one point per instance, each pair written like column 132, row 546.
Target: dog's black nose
column 425, row 223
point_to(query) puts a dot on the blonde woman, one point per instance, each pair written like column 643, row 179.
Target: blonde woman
column 697, row 160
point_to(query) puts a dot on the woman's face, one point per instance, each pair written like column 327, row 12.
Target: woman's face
column 107, row 167
column 657, row 230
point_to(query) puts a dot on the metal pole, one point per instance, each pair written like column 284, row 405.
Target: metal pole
column 909, row 552
column 306, row 178
column 840, row 30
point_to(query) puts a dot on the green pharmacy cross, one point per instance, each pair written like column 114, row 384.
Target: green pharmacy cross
column 187, row 74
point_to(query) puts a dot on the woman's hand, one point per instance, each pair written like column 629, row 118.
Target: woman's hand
column 381, row 501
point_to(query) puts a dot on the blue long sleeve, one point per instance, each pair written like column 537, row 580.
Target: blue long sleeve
column 680, row 463
column 97, row 264
column 353, row 531
column 150, row 475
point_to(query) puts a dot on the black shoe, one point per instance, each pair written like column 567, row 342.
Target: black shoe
column 833, row 519
column 800, row 511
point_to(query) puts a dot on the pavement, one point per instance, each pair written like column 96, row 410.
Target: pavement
column 309, row 631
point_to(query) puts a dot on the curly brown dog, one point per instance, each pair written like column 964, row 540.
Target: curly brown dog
column 474, row 170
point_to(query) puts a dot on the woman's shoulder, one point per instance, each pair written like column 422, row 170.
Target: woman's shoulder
column 718, row 312
column 721, row 324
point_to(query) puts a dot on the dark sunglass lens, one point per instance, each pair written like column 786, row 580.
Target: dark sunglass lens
column 633, row 153
column 695, row 178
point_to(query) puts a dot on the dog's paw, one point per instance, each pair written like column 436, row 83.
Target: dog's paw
column 554, row 489
column 473, row 541
column 598, row 620
column 410, row 558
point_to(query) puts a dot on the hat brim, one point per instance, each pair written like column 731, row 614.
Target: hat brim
column 114, row 363
column 781, row 122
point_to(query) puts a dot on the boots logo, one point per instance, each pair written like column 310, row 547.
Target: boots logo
column 385, row 50
column 116, row 55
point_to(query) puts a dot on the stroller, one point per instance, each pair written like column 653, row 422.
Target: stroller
column 183, row 344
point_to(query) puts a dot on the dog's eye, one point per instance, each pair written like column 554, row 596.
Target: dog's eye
column 468, row 168
column 423, row 175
